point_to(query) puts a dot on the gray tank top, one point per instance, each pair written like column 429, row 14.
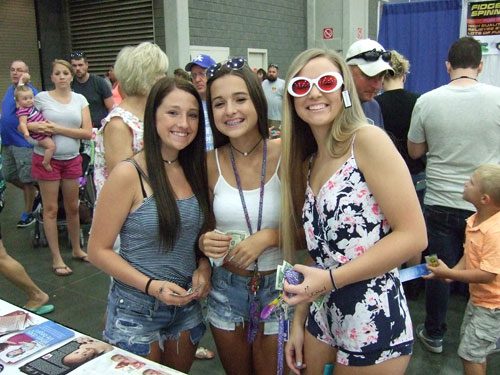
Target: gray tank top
column 140, row 245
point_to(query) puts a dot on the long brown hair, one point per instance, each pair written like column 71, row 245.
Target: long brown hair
column 191, row 158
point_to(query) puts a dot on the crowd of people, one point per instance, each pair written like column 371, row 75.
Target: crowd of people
column 223, row 172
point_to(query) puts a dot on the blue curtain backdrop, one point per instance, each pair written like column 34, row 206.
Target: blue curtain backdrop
column 423, row 32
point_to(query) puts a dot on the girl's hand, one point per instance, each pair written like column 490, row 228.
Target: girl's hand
column 247, row 251
column 294, row 350
column 215, row 244
column 170, row 293
column 201, row 279
column 316, row 282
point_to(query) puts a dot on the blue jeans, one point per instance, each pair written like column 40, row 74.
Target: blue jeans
column 446, row 233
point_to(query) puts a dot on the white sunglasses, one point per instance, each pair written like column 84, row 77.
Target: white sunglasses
column 327, row 83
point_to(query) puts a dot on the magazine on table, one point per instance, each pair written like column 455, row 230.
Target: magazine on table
column 68, row 357
column 120, row 362
column 17, row 346
column 87, row 356
column 14, row 321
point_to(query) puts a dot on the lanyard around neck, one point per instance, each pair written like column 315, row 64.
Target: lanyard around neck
column 240, row 190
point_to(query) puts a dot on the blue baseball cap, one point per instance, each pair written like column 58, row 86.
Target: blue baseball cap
column 201, row 60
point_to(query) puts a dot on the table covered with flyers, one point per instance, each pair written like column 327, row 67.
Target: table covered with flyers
column 32, row 344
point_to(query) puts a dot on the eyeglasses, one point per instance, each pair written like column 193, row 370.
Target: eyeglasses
column 327, row 83
column 196, row 75
column 372, row 55
column 18, row 70
column 273, row 66
column 234, row 63
column 77, row 55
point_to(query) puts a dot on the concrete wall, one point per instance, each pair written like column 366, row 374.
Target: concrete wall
column 350, row 20
column 278, row 26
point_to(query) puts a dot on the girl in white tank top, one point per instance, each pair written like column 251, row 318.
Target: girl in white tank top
column 245, row 187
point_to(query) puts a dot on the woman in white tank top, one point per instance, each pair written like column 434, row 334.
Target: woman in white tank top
column 245, row 191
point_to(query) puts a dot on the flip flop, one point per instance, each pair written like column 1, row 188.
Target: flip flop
column 42, row 310
column 83, row 258
column 204, row 353
column 58, row 273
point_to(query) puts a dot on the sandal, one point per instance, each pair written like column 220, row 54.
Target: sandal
column 83, row 258
column 204, row 353
column 58, row 271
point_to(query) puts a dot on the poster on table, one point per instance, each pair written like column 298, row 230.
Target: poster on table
column 483, row 23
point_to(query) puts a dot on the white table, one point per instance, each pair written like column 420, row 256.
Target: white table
column 71, row 356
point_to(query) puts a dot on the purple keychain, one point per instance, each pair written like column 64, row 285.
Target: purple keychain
column 293, row 277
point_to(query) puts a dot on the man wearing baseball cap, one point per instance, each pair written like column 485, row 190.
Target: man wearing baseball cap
column 369, row 63
column 198, row 69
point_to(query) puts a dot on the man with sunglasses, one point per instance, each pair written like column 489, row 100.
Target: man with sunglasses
column 16, row 151
column 94, row 88
column 274, row 87
column 369, row 62
column 198, row 69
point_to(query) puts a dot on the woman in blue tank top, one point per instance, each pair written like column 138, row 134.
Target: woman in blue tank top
column 346, row 185
column 245, row 190
column 158, row 202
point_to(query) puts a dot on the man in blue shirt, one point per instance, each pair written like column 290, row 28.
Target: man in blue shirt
column 16, row 151
column 198, row 69
column 369, row 62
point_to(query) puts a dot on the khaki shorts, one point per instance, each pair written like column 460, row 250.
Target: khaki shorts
column 479, row 333
column 17, row 164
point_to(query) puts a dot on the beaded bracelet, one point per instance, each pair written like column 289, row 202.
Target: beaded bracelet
column 332, row 279
column 146, row 290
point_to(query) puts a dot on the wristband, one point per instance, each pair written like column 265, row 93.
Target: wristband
column 146, row 290
column 332, row 279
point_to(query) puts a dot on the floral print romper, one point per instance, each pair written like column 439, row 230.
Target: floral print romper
column 368, row 321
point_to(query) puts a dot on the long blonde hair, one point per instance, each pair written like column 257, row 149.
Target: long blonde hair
column 299, row 144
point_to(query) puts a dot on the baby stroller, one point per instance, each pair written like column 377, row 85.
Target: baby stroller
column 86, row 202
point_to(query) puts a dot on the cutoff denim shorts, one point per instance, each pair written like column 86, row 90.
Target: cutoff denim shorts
column 229, row 300
column 135, row 320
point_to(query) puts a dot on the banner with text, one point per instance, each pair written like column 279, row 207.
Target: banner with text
column 483, row 23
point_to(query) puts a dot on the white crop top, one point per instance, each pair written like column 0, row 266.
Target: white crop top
column 229, row 214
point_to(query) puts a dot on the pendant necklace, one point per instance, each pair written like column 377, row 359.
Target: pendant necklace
column 248, row 152
column 170, row 161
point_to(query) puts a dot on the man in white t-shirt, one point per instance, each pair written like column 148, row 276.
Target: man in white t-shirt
column 458, row 127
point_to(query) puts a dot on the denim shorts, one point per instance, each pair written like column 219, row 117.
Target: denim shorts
column 229, row 300
column 479, row 333
column 135, row 320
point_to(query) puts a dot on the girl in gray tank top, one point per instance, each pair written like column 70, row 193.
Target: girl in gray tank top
column 158, row 202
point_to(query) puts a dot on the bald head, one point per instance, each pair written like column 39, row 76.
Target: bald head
column 17, row 69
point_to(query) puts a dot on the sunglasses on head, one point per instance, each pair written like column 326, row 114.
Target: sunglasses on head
column 372, row 55
column 327, row 83
column 77, row 55
column 234, row 63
